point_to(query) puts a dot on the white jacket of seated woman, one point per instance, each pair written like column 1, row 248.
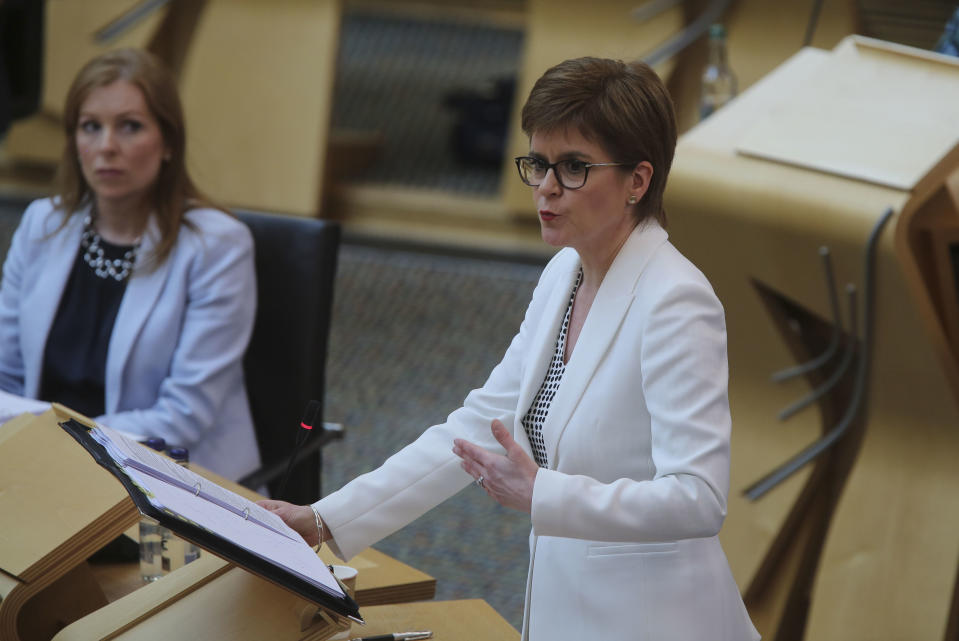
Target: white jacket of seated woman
column 174, row 365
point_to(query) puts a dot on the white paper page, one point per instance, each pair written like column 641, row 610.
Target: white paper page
column 128, row 452
column 12, row 405
column 294, row 555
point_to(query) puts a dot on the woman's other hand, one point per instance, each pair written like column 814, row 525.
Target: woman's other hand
column 508, row 479
column 298, row 517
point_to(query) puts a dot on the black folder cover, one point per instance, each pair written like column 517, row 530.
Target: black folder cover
column 339, row 604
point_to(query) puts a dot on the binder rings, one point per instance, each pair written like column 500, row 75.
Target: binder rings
column 214, row 518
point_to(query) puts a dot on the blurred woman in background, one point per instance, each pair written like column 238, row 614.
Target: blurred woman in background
column 128, row 297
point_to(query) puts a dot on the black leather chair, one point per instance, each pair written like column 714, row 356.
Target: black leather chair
column 286, row 359
column 21, row 59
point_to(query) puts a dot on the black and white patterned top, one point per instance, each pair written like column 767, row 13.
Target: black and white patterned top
column 536, row 416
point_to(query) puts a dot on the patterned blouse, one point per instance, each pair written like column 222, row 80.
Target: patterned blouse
column 536, row 416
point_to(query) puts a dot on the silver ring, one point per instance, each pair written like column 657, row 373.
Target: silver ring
column 479, row 482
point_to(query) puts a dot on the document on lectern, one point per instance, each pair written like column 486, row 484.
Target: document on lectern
column 213, row 517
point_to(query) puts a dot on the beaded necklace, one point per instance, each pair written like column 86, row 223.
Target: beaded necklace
column 117, row 268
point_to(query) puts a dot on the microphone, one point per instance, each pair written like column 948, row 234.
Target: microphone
column 306, row 425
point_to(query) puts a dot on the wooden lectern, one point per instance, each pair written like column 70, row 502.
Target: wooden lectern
column 59, row 507
column 209, row 599
column 809, row 163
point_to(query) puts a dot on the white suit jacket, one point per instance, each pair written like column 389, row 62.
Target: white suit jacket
column 625, row 520
column 174, row 363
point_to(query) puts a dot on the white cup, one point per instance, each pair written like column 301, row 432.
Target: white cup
column 347, row 576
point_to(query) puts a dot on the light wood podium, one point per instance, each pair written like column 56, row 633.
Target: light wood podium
column 465, row 620
column 59, row 507
column 864, row 542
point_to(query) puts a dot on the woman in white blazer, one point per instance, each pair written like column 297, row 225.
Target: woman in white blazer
column 125, row 297
column 607, row 419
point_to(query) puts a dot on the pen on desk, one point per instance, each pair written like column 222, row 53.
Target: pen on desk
column 397, row 636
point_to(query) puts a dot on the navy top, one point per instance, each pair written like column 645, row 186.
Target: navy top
column 75, row 358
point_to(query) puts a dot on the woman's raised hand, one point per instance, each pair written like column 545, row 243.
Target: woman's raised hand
column 508, row 479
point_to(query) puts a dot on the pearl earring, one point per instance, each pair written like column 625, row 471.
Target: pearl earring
column 632, row 200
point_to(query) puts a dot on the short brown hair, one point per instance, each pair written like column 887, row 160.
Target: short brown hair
column 174, row 191
column 623, row 106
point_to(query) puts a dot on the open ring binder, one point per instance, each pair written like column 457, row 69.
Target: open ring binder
column 215, row 519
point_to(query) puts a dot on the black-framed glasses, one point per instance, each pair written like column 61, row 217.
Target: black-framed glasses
column 570, row 173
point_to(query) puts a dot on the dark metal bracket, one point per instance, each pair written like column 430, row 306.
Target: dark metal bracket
column 808, row 454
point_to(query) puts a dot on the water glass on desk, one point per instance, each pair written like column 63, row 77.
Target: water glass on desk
column 151, row 567
column 162, row 552
column 174, row 551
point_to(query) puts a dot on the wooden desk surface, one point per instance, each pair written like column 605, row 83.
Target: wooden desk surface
column 381, row 579
column 466, row 620
column 884, row 564
column 39, row 572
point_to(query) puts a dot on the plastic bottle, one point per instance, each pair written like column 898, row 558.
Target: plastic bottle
column 175, row 552
column 151, row 565
column 719, row 81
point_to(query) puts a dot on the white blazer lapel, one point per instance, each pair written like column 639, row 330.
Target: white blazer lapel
column 544, row 339
column 612, row 301
column 58, row 260
column 143, row 289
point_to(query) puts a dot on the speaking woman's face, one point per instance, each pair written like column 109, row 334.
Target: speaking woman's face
column 120, row 146
column 597, row 216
